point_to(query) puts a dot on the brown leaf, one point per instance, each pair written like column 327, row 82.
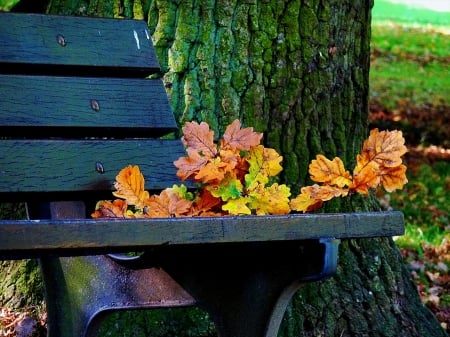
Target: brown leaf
column 189, row 166
column 108, row 209
column 200, row 138
column 240, row 139
column 167, row 204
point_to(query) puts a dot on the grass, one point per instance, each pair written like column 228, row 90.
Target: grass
column 411, row 55
column 424, row 202
column 409, row 15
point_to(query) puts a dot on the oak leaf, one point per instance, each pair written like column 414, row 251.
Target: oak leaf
column 238, row 138
column 189, row 166
column 330, row 172
column 380, row 162
column 264, row 163
column 169, row 203
column 237, row 206
column 229, row 188
column 129, row 185
column 213, row 171
column 272, row 200
column 385, row 148
column 312, row 197
column 206, row 204
column 200, row 138
column 304, row 202
column 393, row 178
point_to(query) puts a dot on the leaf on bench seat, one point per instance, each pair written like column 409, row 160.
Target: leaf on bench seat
column 235, row 176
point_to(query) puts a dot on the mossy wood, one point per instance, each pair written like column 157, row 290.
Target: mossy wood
column 257, row 262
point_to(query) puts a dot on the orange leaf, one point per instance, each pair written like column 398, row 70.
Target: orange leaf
column 213, row 171
column 167, row 204
column 199, row 138
column 380, row 162
column 205, row 204
column 330, row 172
column 130, row 186
column 240, row 139
column 393, row 178
column 366, row 177
column 385, row 148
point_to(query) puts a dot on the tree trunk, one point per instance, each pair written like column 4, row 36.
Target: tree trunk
column 297, row 71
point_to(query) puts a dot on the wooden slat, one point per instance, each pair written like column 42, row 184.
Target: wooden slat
column 70, row 165
column 33, row 39
column 72, row 237
column 139, row 106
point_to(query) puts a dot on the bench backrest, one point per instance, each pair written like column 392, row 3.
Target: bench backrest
column 78, row 106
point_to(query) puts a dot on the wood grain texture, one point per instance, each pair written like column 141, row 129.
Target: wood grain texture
column 71, row 165
column 88, row 236
column 97, row 105
column 75, row 42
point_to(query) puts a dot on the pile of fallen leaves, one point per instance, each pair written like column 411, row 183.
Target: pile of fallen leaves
column 423, row 124
column 24, row 323
column 430, row 271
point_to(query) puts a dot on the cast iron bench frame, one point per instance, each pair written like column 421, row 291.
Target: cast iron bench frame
column 78, row 107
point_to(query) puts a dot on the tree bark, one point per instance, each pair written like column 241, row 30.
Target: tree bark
column 297, row 71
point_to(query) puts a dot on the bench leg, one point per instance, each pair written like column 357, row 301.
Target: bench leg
column 252, row 307
column 245, row 287
column 80, row 290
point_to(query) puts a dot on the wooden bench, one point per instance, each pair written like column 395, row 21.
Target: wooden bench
column 77, row 107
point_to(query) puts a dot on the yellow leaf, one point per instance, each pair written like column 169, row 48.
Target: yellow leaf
column 330, row 172
column 304, row 202
column 264, row 163
column 270, row 200
column 130, row 186
column 312, row 197
column 237, row 206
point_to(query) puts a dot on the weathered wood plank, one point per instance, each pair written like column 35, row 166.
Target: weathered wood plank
column 113, row 44
column 135, row 106
column 84, row 165
column 89, row 236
